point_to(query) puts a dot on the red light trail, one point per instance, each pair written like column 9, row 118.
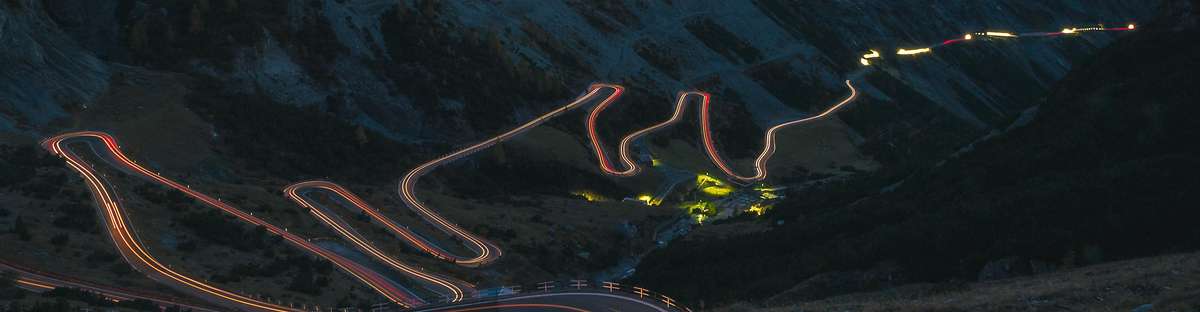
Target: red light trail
column 488, row 252
column 760, row 163
column 131, row 249
column 135, row 253
column 42, row 281
column 453, row 289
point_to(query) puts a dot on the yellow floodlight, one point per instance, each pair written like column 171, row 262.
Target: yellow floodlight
column 645, row 198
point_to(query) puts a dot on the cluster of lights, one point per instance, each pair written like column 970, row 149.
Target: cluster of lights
column 758, row 209
column 718, row 191
column 712, row 186
column 649, row 200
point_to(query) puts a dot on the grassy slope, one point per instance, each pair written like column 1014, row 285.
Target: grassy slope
column 1170, row 283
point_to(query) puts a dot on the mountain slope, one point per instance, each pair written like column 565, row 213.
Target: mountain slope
column 1104, row 171
column 411, row 71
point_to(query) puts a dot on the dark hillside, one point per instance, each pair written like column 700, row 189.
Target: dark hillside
column 1105, row 171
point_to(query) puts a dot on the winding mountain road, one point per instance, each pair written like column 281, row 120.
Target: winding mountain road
column 136, row 254
column 126, row 241
column 760, row 163
column 452, row 289
column 39, row 281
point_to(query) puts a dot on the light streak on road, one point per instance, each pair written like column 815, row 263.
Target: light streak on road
column 1076, row 30
column 913, row 51
column 623, row 301
column 452, row 289
column 866, row 61
column 769, row 145
column 131, row 249
column 41, row 281
column 35, row 284
column 488, row 252
column 521, row 306
column 866, row 58
column 632, row 168
column 135, row 253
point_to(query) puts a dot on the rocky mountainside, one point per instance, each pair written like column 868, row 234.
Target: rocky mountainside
column 246, row 96
column 431, row 71
column 1101, row 173
column 46, row 73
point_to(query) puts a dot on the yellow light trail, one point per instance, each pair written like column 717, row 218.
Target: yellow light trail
column 865, row 60
column 131, row 249
column 913, row 51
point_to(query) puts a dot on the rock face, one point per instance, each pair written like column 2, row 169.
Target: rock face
column 766, row 49
column 43, row 72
